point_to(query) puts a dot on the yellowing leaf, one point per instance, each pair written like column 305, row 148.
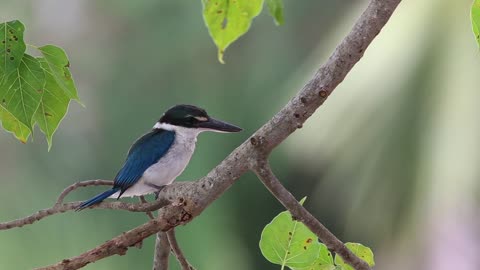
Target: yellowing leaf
column 12, row 125
column 227, row 20
column 323, row 262
column 363, row 252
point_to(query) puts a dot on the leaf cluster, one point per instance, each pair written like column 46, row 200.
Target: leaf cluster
column 289, row 243
column 33, row 90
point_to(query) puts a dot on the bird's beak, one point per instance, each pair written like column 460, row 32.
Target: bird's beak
column 218, row 126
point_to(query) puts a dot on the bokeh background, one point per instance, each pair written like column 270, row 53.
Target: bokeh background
column 391, row 160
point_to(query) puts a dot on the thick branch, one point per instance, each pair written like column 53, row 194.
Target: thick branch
column 198, row 195
column 167, row 218
column 162, row 251
column 299, row 212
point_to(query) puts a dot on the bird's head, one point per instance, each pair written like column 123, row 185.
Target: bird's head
column 195, row 118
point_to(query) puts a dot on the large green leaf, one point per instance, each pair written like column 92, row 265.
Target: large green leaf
column 275, row 7
column 323, row 262
column 58, row 63
column 21, row 91
column 475, row 17
column 12, row 46
column 227, row 20
column 53, row 105
column 287, row 242
column 363, row 252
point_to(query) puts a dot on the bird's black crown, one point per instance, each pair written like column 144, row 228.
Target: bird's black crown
column 185, row 116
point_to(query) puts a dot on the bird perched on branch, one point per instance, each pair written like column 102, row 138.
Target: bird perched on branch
column 158, row 157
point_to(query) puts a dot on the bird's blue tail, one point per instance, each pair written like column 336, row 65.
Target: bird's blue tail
column 97, row 199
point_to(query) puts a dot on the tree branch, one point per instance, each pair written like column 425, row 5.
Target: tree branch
column 194, row 197
column 162, row 251
column 149, row 214
column 265, row 174
column 119, row 245
column 177, row 251
column 60, row 207
column 87, row 183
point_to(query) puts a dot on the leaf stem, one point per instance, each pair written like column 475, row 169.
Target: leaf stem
column 33, row 46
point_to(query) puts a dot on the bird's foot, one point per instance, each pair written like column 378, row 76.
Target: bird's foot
column 158, row 188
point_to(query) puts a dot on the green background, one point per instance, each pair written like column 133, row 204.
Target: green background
column 390, row 160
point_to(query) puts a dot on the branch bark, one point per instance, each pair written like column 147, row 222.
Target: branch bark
column 192, row 198
column 162, row 252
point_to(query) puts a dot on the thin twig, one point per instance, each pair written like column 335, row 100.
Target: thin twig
column 182, row 260
column 162, row 252
column 62, row 208
column 299, row 212
column 149, row 214
column 87, row 183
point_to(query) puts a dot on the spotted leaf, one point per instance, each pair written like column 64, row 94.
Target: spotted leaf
column 12, row 46
column 287, row 242
column 323, row 262
column 53, row 105
column 58, row 64
column 363, row 252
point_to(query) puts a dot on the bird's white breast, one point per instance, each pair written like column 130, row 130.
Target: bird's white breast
column 172, row 164
column 169, row 166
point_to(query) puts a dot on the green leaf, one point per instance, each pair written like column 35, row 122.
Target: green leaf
column 12, row 46
column 12, row 125
column 58, row 63
column 475, row 17
column 363, row 252
column 275, row 7
column 53, row 105
column 323, row 262
column 321, row 267
column 287, row 242
column 227, row 20
column 21, row 91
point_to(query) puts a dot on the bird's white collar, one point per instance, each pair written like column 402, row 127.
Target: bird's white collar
column 190, row 132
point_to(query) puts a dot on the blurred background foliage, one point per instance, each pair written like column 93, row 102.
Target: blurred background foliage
column 391, row 159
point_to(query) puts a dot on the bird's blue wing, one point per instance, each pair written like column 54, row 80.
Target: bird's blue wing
column 145, row 152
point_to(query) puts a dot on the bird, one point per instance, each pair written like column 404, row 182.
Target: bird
column 158, row 157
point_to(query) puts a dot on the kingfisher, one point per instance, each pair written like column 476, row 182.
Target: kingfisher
column 158, row 157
